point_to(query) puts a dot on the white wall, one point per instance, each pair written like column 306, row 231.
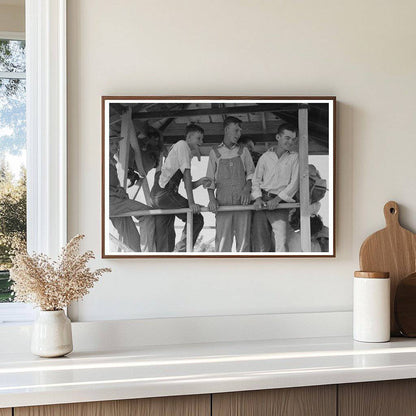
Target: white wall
column 12, row 17
column 361, row 51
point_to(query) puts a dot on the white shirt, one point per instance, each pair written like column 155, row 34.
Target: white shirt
column 227, row 153
column 179, row 157
column 277, row 175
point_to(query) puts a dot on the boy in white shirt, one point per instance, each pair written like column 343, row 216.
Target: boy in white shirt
column 276, row 179
column 165, row 193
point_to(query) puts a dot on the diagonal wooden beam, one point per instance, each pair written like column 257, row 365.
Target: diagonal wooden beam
column 139, row 163
column 124, row 147
column 167, row 122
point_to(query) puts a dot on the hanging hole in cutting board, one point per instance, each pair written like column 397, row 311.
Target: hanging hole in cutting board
column 392, row 211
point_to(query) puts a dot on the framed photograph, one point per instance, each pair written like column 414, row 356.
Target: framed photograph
column 218, row 177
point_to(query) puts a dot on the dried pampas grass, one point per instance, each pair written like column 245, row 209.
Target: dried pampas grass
column 53, row 285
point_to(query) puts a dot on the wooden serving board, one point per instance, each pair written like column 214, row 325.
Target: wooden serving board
column 393, row 250
column 405, row 306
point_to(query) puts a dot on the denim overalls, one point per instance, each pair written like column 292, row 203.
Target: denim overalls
column 230, row 181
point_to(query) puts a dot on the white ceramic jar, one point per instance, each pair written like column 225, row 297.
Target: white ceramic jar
column 52, row 334
column 371, row 307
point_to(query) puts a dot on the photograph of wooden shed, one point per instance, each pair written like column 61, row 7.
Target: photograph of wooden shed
column 130, row 118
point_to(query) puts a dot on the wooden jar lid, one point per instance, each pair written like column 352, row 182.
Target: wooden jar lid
column 372, row 275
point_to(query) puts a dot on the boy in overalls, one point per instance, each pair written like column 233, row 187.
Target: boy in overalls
column 230, row 168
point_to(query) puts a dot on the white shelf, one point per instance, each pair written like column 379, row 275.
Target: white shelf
column 149, row 371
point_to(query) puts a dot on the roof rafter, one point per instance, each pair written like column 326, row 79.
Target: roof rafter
column 257, row 108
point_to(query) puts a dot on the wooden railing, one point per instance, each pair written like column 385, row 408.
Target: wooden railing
column 189, row 215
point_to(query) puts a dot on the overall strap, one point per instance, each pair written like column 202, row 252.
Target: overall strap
column 216, row 151
column 240, row 150
column 174, row 181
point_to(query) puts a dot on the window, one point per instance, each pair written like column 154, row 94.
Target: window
column 12, row 155
column 45, row 125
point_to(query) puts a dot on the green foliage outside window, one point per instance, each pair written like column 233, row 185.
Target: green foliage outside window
column 12, row 223
column 12, row 144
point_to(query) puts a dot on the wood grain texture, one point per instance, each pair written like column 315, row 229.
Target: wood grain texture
column 5, row 412
column 381, row 398
column 390, row 250
column 159, row 406
column 300, row 401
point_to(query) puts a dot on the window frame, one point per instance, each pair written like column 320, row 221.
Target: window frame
column 12, row 35
column 46, row 135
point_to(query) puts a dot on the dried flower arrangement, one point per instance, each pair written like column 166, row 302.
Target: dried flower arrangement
column 52, row 285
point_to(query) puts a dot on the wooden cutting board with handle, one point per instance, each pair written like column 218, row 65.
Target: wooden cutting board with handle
column 393, row 250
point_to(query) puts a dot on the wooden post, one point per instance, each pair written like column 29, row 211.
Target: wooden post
column 305, row 223
column 263, row 123
column 124, row 147
column 140, row 167
column 189, row 231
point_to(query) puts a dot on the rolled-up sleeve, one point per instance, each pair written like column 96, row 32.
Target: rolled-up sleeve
column 248, row 164
column 211, row 169
column 289, row 192
column 184, row 156
column 257, row 179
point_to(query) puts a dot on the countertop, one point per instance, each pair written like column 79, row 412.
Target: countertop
column 150, row 371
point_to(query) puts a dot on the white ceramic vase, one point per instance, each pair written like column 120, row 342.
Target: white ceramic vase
column 52, row 334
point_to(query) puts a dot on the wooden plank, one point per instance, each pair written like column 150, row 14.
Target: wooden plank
column 115, row 119
column 230, row 208
column 381, row 398
column 263, row 122
column 218, row 138
column 189, row 231
column 317, row 401
column 305, row 222
column 124, row 147
column 139, row 163
column 6, row 412
column 217, row 129
column 160, row 406
column 257, row 108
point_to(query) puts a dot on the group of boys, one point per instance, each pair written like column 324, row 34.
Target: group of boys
column 231, row 179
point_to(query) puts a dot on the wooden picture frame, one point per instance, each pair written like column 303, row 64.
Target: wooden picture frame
column 137, row 133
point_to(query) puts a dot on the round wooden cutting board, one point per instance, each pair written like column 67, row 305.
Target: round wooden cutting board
column 392, row 250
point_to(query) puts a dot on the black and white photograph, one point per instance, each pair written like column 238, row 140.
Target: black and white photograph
column 218, row 176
